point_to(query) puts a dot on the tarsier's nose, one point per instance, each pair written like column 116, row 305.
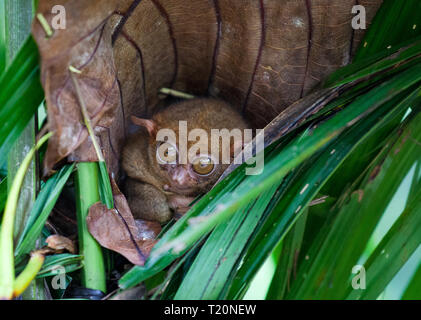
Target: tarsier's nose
column 180, row 175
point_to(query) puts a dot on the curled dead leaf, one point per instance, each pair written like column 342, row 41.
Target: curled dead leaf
column 59, row 243
column 117, row 230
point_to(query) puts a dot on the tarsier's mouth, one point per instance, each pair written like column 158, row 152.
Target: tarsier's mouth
column 181, row 189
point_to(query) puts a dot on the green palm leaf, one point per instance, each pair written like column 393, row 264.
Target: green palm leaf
column 21, row 94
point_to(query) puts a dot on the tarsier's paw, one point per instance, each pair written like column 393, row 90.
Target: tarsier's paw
column 180, row 212
column 147, row 202
column 180, row 205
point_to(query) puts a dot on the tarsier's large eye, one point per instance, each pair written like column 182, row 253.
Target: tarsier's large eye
column 203, row 165
column 166, row 153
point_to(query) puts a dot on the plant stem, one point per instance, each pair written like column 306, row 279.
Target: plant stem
column 28, row 274
column 176, row 93
column 7, row 271
column 85, row 115
column 87, row 191
column 18, row 27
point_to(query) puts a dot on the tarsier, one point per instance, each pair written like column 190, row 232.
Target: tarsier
column 158, row 185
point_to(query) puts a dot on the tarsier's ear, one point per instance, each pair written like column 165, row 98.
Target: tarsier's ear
column 149, row 124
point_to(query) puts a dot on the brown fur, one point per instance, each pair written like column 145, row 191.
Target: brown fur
column 151, row 192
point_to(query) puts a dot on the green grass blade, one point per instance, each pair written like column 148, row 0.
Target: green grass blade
column 20, row 95
column 2, row 37
column 413, row 291
column 391, row 254
column 305, row 184
column 393, row 60
column 70, row 263
column 3, row 194
column 44, row 203
column 342, row 241
column 395, row 22
column 105, row 190
column 287, row 261
column 212, row 265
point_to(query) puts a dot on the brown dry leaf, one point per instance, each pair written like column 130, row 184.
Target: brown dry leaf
column 59, row 243
column 259, row 55
column 117, row 230
column 86, row 45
